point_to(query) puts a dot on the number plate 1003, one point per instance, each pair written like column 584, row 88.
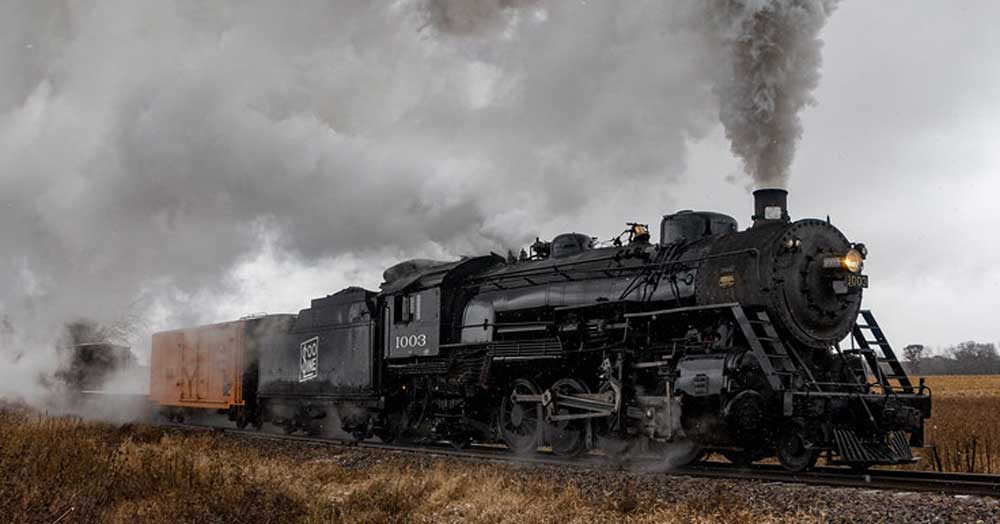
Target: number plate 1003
column 856, row 281
column 411, row 341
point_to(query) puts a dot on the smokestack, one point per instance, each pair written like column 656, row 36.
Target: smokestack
column 770, row 206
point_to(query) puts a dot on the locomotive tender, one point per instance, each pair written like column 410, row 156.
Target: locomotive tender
column 712, row 339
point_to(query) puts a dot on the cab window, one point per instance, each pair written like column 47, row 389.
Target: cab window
column 406, row 308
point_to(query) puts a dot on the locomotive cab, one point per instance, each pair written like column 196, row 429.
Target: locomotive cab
column 421, row 310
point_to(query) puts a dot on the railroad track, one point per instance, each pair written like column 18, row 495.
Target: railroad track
column 895, row 480
column 973, row 484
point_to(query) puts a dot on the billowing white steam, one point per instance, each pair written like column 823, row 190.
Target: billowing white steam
column 148, row 146
column 773, row 65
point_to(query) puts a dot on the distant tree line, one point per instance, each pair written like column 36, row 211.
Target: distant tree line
column 967, row 358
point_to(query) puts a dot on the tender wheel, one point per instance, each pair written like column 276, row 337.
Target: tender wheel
column 415, row 422
column 387, row 434
column 390, row 427
column 521, row 422
column 568, row 438
column 793, row 451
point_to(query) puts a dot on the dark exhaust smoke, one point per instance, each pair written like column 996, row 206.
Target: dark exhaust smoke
column 773, row 53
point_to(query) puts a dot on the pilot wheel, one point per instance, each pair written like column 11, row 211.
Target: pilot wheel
column 795, row 450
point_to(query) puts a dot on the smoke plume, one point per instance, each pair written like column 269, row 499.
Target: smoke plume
column 772, row 66
column 151, row 149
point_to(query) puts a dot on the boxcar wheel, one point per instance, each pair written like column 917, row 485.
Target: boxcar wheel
column 241, row 419
column 520, row 422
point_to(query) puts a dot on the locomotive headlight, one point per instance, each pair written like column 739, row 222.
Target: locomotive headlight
column 853, row 261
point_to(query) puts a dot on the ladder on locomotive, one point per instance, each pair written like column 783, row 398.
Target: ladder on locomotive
column 884, row 356
column 776, row 361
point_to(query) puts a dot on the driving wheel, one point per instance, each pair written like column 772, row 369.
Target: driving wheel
column 568, row 438
column 520, row 422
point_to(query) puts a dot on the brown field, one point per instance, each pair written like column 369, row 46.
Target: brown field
column 964, row 429
column 68, row 471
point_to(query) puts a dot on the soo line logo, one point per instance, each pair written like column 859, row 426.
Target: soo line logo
column 309, row 359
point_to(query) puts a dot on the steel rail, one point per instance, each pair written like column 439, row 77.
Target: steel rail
column 975, row 484
column 894, row 480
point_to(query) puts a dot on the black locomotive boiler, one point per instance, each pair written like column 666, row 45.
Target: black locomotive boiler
column 711, row 339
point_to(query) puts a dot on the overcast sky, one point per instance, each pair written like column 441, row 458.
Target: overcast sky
column 202, row 162
column 902, row 151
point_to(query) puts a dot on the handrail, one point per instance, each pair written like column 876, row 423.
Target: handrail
column 563, row 269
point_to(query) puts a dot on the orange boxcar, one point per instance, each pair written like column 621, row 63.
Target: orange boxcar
column 208, row 367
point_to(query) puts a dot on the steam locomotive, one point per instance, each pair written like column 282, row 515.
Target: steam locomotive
column 710, row 340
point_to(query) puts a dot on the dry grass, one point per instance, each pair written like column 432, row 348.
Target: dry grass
column 84, row 472
column 66, row 470
column 964, row 428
